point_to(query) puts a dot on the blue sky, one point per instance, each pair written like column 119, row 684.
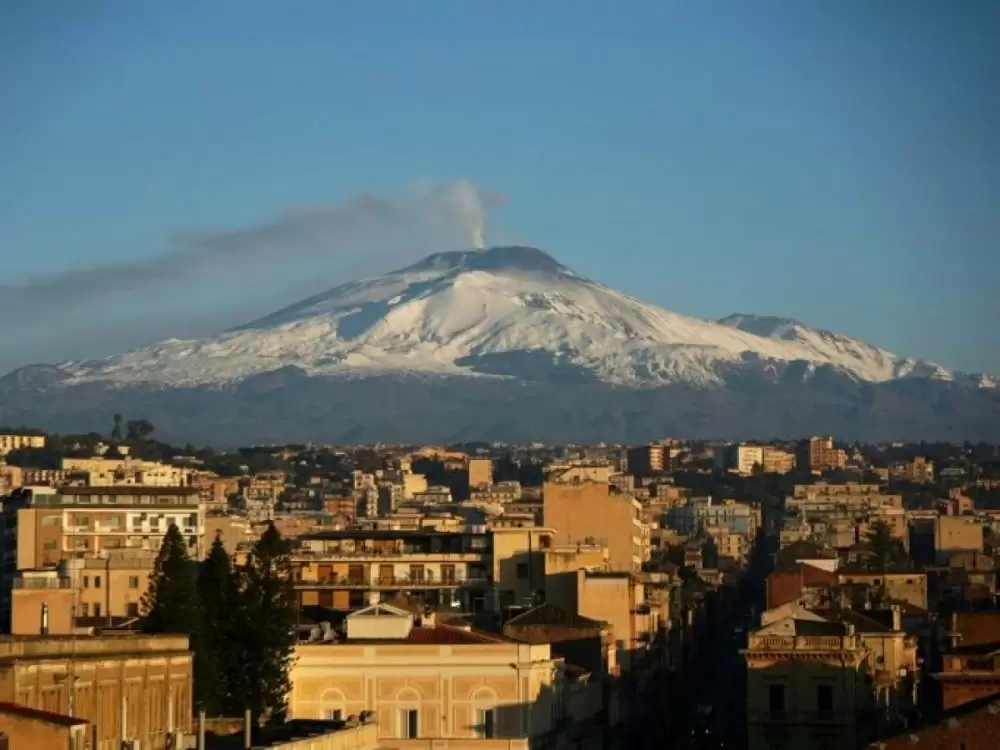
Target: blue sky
column 836, row 162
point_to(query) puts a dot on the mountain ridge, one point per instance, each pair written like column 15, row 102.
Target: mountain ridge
column 462, row 312
column 506, row 344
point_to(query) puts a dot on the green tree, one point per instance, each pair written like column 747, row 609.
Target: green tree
column 266, row 629
column 171, row 605
column 218, row 590
column 885, row 548
column 116, row 431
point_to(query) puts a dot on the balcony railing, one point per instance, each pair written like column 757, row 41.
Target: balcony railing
column 42, row 583
column 394, row 581
column 309, row 554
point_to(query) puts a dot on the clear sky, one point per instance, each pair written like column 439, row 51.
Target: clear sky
column 834, row 161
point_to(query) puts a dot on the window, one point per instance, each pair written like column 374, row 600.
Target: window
column 49, row 544
column 97, row 582
column 409, row 724
column 334, row 714
column 192, row 520
column 97, row 610
column 51, row 520
column 486, row 723
column 824, row 698
column 776, row 699
column 132, row 609
column 86, row 582
column 133, row 582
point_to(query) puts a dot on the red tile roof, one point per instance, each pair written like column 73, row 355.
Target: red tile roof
column 442, row 635
column 33, row 713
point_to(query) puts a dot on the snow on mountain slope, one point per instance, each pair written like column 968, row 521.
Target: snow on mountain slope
column 865, row 360
column 454, row 309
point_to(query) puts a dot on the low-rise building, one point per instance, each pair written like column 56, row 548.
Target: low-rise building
column 427, row 682
column 125, row 687
column 806, row 684
column 19, row 441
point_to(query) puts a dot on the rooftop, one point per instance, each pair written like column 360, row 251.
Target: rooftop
column 33, row 713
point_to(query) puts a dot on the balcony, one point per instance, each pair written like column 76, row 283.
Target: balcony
column 46, row 582
column 376, row 582
column 307, row 555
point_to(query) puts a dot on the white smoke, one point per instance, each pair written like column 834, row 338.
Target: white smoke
column 459, row 205
column 427, row 216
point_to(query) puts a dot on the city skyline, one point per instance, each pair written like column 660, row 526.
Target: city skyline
column 833, row 164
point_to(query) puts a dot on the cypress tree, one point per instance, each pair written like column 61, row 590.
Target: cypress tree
column 266, row 629
column 171, row 605
column 220, row 603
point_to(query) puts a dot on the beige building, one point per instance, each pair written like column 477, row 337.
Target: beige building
column 954, row 534
column 805, row 684
column 145, row 680
column 109, row 472
column 109, row 587
column 519, row 562
column 917, row 470
column 480, row 472
column 777, row 460
column 852, row 497
column 13, row 442
column 903, row 586
column 616, row 598
column 430, row 685
column 819, row 454
column 353, row 568
column 43, row 526
column 592, row 513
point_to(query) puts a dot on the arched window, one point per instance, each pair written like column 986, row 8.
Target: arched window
column 332, row 705
column 408, row 714
column 484, row 713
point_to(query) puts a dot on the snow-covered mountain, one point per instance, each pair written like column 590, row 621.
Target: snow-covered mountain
column 501, row 312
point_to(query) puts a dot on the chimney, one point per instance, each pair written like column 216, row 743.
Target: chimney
column 897, row 618
column 427, row 619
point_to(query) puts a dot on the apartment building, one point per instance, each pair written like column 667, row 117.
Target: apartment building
column 917, row 470
column 819, row 454
column 956, row 534
column 647, row 459
column 427, row 684
column 354, row 568
column 13, row 442
column 519, row 551
column 260, row 494
column 109, row 472
column 480, row 472
column 851, row 497
column 500, row 492
column 729, row 544
column 42, row 526
column 742, row 458
column 134, row 688
column 591, row 512
column 908, row 586
column 702, row 512
column 806, row 684
column 777, row 460
column 108, row 587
